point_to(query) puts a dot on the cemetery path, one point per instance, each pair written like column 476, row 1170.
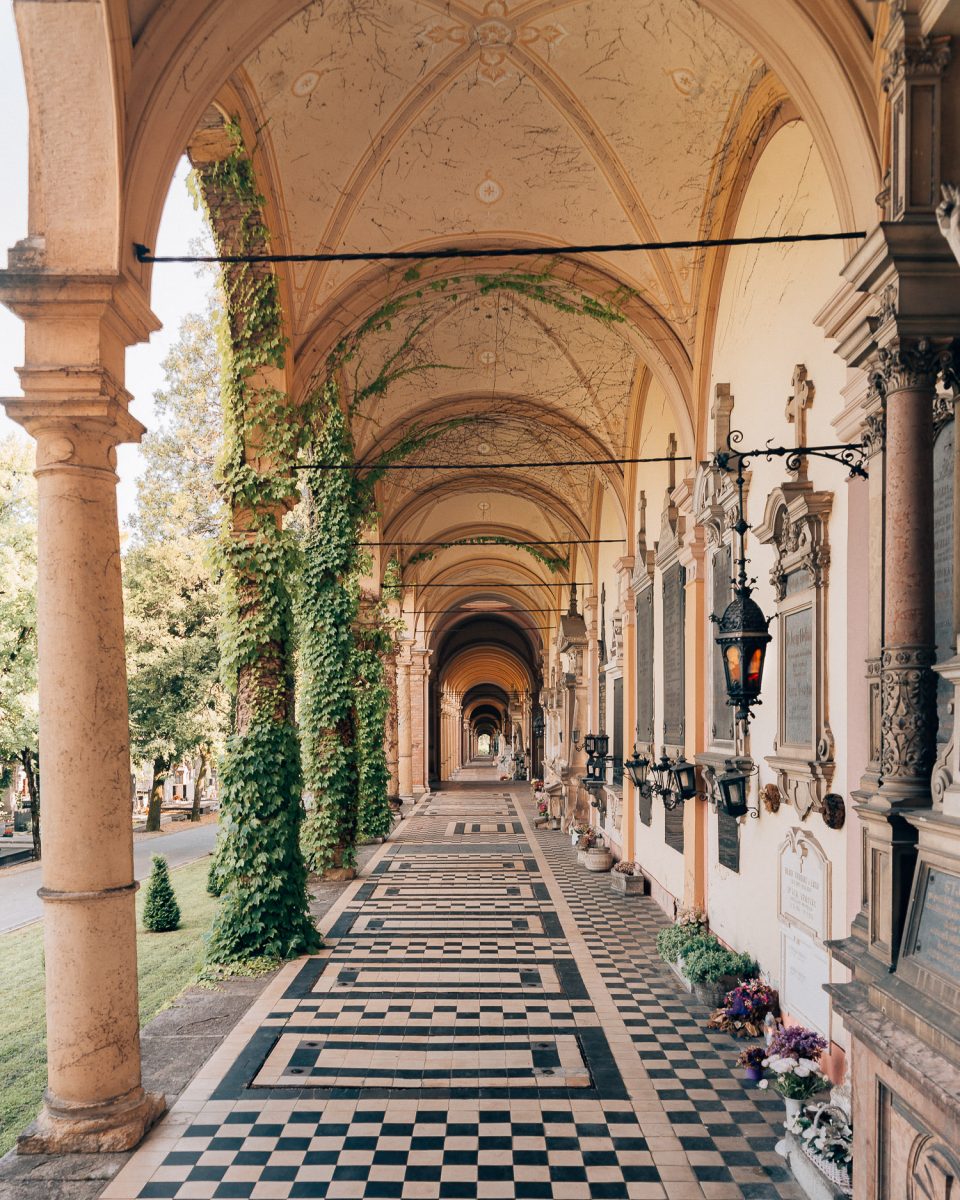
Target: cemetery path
column 486, row 1020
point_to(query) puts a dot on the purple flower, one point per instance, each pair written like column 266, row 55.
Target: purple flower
column 797, row 1042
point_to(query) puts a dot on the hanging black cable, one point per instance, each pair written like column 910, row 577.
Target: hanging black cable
column 478, row 540
column 489, row 466
column 481, row 583
column 143, row 254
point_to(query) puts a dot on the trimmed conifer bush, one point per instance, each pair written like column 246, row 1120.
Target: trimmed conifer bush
column 161, row 912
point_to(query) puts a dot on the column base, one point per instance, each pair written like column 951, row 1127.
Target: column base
column 104, row 1129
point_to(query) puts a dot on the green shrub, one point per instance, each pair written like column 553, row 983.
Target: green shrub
column 672, row 941
column 707, row 961
column 161, row 912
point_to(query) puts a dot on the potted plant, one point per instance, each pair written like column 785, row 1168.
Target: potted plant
column 826, row 1138
column 671, row 942
column 628, row 879
column 713, row 969
column 745, row 1009
column 577, row 830
column 585, row 842
column 598, row 857
column 793, row 1061
column 751, row 1060
column 542, row 807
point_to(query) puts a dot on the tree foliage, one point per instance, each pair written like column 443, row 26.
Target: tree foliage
column 177, row 704
column 259, row 869
column 18, row 618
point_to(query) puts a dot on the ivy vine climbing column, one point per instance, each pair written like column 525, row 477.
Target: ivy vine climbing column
column 260, row 872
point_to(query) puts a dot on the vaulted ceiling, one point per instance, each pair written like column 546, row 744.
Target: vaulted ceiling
column 391, row 124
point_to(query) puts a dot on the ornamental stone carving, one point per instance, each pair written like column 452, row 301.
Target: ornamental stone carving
column 934, row 1170
column 905, row 366
column 909, row 691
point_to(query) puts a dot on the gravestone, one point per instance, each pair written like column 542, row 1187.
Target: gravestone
column 645, row 665
column 803, row 909
column 673, row 827
column 722, row 723
column 937, row 942
column 943, row 567
column 798, row 677
column 674, row 596
column 728, row 840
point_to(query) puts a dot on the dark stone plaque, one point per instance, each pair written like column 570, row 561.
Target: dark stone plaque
column 673, row 827
column 937, row 945
column 943, row 567
column 798, row 677
column 722, row 723
column 645, row 802
column 618, row 732
column 728, row 840
column 674, row 596
column 645, row 665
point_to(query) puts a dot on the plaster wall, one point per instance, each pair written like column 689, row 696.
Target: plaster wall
column 764, row 327
column 662, row 863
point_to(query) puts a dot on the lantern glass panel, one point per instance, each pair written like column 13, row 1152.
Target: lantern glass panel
column 731, row 663
column 590, row 744
column 755, row 669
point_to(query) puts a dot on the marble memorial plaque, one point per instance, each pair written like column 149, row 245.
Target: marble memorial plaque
column 728, row 840
column 722, row 722
column 674, row 594
column 645, row 803
column 937, row 944
column 645, row 665
column 673, row 827
column 797, row 658
column 803, row 893
column 804, row 969
column 943, row 567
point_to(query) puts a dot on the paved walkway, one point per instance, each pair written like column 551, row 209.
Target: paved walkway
column 20, row 904
column 487, row 1020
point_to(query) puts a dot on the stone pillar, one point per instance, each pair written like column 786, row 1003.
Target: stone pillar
column 391, row 733
column 628, row 618
column 404, row 728
column 418, row 720
column 78, row 414
column 907, row 377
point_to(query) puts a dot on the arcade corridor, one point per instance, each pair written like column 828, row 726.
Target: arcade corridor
column 486, row 1020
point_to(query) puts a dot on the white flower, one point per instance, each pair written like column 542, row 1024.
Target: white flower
column 764, row 1083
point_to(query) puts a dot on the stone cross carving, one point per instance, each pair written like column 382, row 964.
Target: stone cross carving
column 642, row 525
column 796, row 410
column 671, row 452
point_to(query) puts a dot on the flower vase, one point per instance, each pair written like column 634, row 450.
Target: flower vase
column 793, row 1108
column 754, row 1074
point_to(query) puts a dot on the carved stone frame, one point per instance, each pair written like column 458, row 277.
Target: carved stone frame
column 795, row 523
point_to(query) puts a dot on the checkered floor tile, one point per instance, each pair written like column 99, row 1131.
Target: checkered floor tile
column 486, row 1020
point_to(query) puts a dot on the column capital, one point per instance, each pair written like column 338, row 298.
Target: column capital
column 907, row 364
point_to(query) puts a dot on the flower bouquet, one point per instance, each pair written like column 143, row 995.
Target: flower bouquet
column 826, row 1138
column 744, row 1009
column 751, row 1060
column 542, row 807
column 794, row 1062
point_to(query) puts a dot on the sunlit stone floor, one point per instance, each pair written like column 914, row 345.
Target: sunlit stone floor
column 486, row 1020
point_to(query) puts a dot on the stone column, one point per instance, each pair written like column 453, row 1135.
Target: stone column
column 391, row 736
column 908, row 377
column 94, row 1099
column 418, row 720
column 628, row 618
column 404, row 731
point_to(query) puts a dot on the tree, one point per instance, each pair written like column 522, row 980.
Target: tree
column 161, row 912
column 177, row 493
column 177, row 705
column 18, row 619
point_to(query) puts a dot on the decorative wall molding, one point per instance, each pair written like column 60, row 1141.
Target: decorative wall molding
column 795, row 523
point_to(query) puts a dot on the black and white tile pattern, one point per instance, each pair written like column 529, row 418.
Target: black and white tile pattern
column 486, row 1020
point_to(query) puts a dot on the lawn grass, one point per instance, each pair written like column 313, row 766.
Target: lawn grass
column 168, row 962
